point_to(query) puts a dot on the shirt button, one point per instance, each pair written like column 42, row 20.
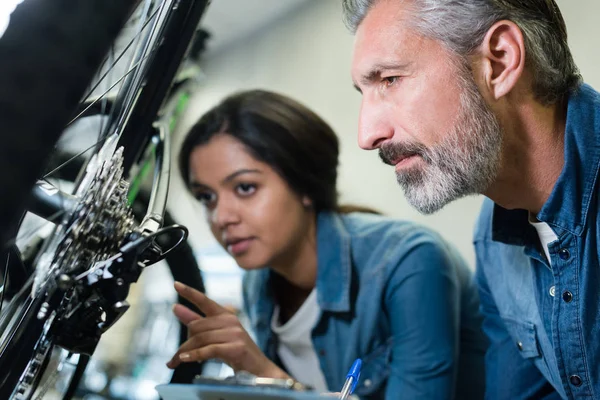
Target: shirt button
column 368, row 383
column 575, row 380
column 564, row 254
column 567, row 296
column 552, row 291
column 520, row 346
column 322, row 352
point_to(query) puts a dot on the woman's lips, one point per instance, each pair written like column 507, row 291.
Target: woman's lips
column 239, row 247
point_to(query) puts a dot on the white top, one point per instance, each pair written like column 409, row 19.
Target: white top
column 545, row 233
column 295, row 347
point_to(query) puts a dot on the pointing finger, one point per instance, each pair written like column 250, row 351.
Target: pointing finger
column 184, row 314
column 200, row 300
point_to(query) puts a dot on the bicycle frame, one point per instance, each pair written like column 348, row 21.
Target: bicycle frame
column 178, row 31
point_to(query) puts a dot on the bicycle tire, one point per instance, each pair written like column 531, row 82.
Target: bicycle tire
column 50, row 53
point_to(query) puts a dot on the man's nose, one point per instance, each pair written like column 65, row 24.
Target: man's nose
column 373, row 127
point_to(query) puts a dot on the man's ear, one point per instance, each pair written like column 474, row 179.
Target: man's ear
column 502, row 55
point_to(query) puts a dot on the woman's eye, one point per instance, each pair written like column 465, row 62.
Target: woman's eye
column 245, row 189
column 206, row 198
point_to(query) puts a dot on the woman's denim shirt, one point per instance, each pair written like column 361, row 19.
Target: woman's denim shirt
column 394, row 294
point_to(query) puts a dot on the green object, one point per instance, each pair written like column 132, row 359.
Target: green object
column 150, row 156
column 182, row 103
column 136, row 183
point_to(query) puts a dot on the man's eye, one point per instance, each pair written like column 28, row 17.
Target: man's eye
column 390, row 80
column 245, row 189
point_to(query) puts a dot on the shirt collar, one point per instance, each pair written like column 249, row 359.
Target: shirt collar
column 334, row 270
column 512, row 227
column 568, row 204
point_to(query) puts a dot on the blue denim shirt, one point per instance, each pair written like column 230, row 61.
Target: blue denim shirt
column 397, row 296
column 543, row 319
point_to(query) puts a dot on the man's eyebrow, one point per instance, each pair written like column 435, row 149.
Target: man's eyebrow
column 374, row 74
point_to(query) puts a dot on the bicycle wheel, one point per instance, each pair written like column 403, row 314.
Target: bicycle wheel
column 84, row 268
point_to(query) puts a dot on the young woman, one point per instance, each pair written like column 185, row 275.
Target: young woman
column 324, row 285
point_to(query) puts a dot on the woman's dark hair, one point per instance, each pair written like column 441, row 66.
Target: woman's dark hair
column 280, row 132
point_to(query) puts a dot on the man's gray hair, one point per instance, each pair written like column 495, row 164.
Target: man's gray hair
column 461, row 26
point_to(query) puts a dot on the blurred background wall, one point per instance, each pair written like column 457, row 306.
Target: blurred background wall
column 301, row 48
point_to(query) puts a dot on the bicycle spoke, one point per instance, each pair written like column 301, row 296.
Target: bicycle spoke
column 136, row 65
column 143, row 22
column 142, row 26
column 121, row 55
column 28, row 234
column 70, row 160
column 104, row 102
column 52, row 219
column 55, row 216
column 4, row 281
column 113, row 62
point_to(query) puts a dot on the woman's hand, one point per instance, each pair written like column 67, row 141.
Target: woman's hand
column 218, row 335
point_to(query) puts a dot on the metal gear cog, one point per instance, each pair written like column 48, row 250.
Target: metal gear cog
column 98, row 223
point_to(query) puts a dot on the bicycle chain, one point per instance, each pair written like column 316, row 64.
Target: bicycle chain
column 26, row 386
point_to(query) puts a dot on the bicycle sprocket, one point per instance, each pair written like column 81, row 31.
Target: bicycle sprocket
column 97, row 225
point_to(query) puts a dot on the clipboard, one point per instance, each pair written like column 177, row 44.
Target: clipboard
column 241, row 386
column 201, row 391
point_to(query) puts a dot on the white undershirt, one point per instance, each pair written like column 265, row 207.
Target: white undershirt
column 545, row 233
column 295, row 347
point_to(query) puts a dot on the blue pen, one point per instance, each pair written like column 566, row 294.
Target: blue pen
column 351, row 379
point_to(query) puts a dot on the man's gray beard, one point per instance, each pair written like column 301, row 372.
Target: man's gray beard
column 465, row 162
